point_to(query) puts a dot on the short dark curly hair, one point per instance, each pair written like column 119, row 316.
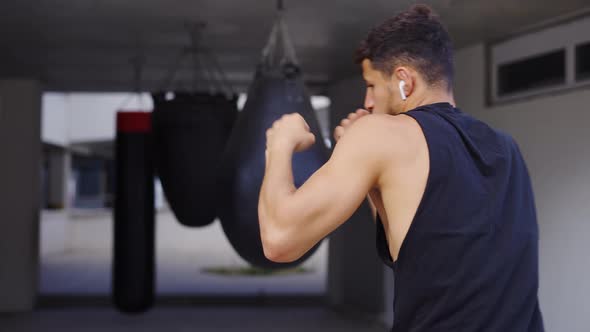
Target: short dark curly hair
column 415, row 37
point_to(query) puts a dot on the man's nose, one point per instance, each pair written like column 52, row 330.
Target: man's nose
column 369, row 103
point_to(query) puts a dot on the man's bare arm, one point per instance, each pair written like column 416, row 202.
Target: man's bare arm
column 293, row 220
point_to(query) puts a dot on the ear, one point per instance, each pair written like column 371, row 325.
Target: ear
column 403, row 73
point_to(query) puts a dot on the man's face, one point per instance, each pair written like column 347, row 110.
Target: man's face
column 380, row 97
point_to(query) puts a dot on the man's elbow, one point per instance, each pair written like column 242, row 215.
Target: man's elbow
column 278, row 241
column 278, row 249
column 277, row 255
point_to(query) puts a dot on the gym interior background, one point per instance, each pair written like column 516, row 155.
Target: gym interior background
column 67, row 67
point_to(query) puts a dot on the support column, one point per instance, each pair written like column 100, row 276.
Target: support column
column 20, row 191
column 59, row 170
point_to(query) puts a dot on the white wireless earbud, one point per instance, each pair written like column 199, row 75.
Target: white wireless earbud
column 402, row 93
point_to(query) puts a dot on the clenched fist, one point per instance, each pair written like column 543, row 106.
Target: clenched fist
column 346, row 122
column 290, row 132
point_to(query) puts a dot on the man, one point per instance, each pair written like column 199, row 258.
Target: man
column 456, row 214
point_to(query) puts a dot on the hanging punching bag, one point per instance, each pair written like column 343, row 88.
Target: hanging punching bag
column 277, row 89
column 190, row 133
column 133, row 252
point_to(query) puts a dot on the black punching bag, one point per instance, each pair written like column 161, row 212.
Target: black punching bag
column 277, row 89
column 190, row 133
column 133, row 254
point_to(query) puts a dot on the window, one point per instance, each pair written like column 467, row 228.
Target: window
column 542, row 60
column 583, row 61
column 533, row 73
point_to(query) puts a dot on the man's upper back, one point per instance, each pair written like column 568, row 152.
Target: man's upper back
column 469, row 260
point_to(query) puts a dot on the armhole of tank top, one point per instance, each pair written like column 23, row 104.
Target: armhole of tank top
column 427, row 187
column 383, row 245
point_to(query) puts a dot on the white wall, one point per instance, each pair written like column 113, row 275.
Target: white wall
column 54, row 122
column 85, row 117
column 92, row 116
column 553, row 132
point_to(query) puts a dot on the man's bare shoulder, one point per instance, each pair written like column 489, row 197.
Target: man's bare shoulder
column 393, row 135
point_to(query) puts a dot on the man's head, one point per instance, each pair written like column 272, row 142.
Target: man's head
column 413, row 47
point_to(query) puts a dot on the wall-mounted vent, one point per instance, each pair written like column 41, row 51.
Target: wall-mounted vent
column 535, row 72
column 583, row 62
column 542, row 61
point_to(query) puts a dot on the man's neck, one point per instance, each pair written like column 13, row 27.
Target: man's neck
column 429, row 97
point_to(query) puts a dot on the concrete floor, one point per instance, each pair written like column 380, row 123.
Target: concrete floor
column 76, row 259
column 284, row 319
column 75, row 262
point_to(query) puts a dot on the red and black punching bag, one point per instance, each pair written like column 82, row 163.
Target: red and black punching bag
column 133, row 252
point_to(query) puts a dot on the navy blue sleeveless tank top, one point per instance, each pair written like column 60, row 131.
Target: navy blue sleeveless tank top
column 469, row 261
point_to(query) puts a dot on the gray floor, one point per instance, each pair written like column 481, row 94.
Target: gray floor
column 75, row 272
column 310, row 319
column 76, row 259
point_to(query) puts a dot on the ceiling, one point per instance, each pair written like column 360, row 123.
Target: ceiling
column 88, row 45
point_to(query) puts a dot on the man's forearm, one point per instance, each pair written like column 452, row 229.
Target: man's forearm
column 277, row 186
column 276, row 191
